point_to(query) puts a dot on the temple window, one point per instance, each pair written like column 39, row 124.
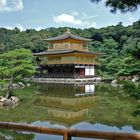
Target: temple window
column 66, row 45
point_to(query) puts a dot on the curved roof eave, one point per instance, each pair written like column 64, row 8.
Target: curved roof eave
column 66, row 36
column 64, row 52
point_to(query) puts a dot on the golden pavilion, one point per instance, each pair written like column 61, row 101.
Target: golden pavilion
column 67, row 57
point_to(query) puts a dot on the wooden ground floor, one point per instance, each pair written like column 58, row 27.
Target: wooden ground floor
column 65, row 71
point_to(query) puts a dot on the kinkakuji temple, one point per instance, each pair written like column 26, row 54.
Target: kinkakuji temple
column 67, row 57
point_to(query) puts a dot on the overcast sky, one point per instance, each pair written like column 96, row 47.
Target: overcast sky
column 40, row 14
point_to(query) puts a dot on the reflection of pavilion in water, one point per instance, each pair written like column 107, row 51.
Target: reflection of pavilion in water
column 66, row 103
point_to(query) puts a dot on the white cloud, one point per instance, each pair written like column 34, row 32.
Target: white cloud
column 11, row 5
column 38, row 28
column 88, row 17
column 93, row 24
column 87, row 24
column 75, row 13
column 131, row 19
column 72, row 19
column 20, row 27
column 17, row 25
column 67, row 18
column 8, row 27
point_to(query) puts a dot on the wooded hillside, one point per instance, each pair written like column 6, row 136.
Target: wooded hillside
column 120, row 45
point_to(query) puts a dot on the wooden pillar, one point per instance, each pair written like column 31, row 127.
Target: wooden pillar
column 66, row 136
column 74, row 74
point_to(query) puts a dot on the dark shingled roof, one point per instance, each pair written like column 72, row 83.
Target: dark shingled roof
column 63, row 52
column 66, row 36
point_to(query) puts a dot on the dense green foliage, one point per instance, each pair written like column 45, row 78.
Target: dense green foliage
column 7, row 134
column 120, row 45
column 122, row 5
column 16, row 64
column 131, row 88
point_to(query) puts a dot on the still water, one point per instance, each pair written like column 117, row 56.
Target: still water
column 76, row 106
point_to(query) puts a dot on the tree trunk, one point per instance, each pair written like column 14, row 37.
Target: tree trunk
column 9, row 90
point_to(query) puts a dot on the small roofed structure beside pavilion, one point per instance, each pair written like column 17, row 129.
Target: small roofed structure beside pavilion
column 67, row 57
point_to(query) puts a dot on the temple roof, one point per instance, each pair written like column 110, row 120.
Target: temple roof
column 67, row 35
column 63, row 52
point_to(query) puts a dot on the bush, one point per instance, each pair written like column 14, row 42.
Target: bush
column 137, row 111
column 131, row 88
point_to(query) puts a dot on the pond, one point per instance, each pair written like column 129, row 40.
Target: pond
column 77, row 106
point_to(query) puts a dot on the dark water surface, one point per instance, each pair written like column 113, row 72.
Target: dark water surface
column 76, row 106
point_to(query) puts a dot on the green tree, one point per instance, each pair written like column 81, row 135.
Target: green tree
column 2, row 47
column 122, row 5
column 16, row 64
column 117, row 43
column 132, row 46
column 123, row 66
